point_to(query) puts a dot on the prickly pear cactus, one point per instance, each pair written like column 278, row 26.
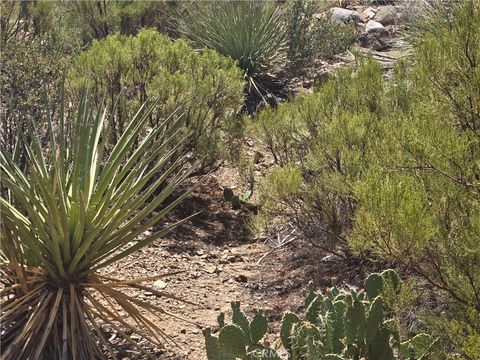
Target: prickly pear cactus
column 337, row 325
column 286, row 330
column 239, row 318
column 258, row 326
column 232, row 343
column 240, row 340
column 229, row 195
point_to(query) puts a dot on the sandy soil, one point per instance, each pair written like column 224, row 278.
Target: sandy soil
column 218, row 257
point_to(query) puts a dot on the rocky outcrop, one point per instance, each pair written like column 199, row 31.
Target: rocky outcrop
column 389, row 15
column 344, row 16
column 374, row 37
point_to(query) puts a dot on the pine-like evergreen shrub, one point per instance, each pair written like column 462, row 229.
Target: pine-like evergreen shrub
column 393, row 170
column 312, row 37
column 207, row 87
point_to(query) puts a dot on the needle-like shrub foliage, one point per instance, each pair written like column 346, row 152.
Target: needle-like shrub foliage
column 391, row 168
column 311, row 37
column 75, row 206
column 208, row 86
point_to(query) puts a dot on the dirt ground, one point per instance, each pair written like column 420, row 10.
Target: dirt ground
column 218, row 256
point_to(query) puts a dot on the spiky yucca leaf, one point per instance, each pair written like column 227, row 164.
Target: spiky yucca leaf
column 77, row 206
column 251, row 32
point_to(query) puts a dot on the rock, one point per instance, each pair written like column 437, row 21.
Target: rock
column 369, row 12
column 389, row 15
column 230, row 259
column 160, row 284
column 241, row 278
column 376, row 28
column 195, row 274
column 374, row 36
column 372, row 41
column 344, row 16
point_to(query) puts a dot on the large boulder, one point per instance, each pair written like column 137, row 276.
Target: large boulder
column 374, row 27
column 389, row 15
column 344, row 16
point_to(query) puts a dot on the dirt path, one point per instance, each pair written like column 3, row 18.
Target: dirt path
column 218, row 259
column 212, row 278
column 217, row 256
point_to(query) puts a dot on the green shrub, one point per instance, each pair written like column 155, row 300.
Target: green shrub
column 325, row 136
column 206, row 86
column 393, row 170
column 311, row 37
column 30, row 70
column 25, row 20
column 96, row 19
column 79, row 206
column 250, row 32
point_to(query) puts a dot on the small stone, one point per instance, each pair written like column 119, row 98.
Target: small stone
column 241, row 278
column 183, row 331
column 160, row 284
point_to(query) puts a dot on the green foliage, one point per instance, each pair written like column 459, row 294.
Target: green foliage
column 30, row 70
column 97, row 19
column 311, row 37
column 344, row 324
column 25, row 20
column 391, row 168
column 251, row 33
column 339, row 324
column 208, row 87
column 421, row 203
column 324, row 137
column 78, row 206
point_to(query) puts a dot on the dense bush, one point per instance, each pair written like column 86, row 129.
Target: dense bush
column 29, row 72
column 25, row 20
column 313, row 37
column 206, row 86
column 96, row 19
column 320, row 142
column 392, row 170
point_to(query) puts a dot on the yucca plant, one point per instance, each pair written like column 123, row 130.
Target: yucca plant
column 78, row 206
column 251, row 32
